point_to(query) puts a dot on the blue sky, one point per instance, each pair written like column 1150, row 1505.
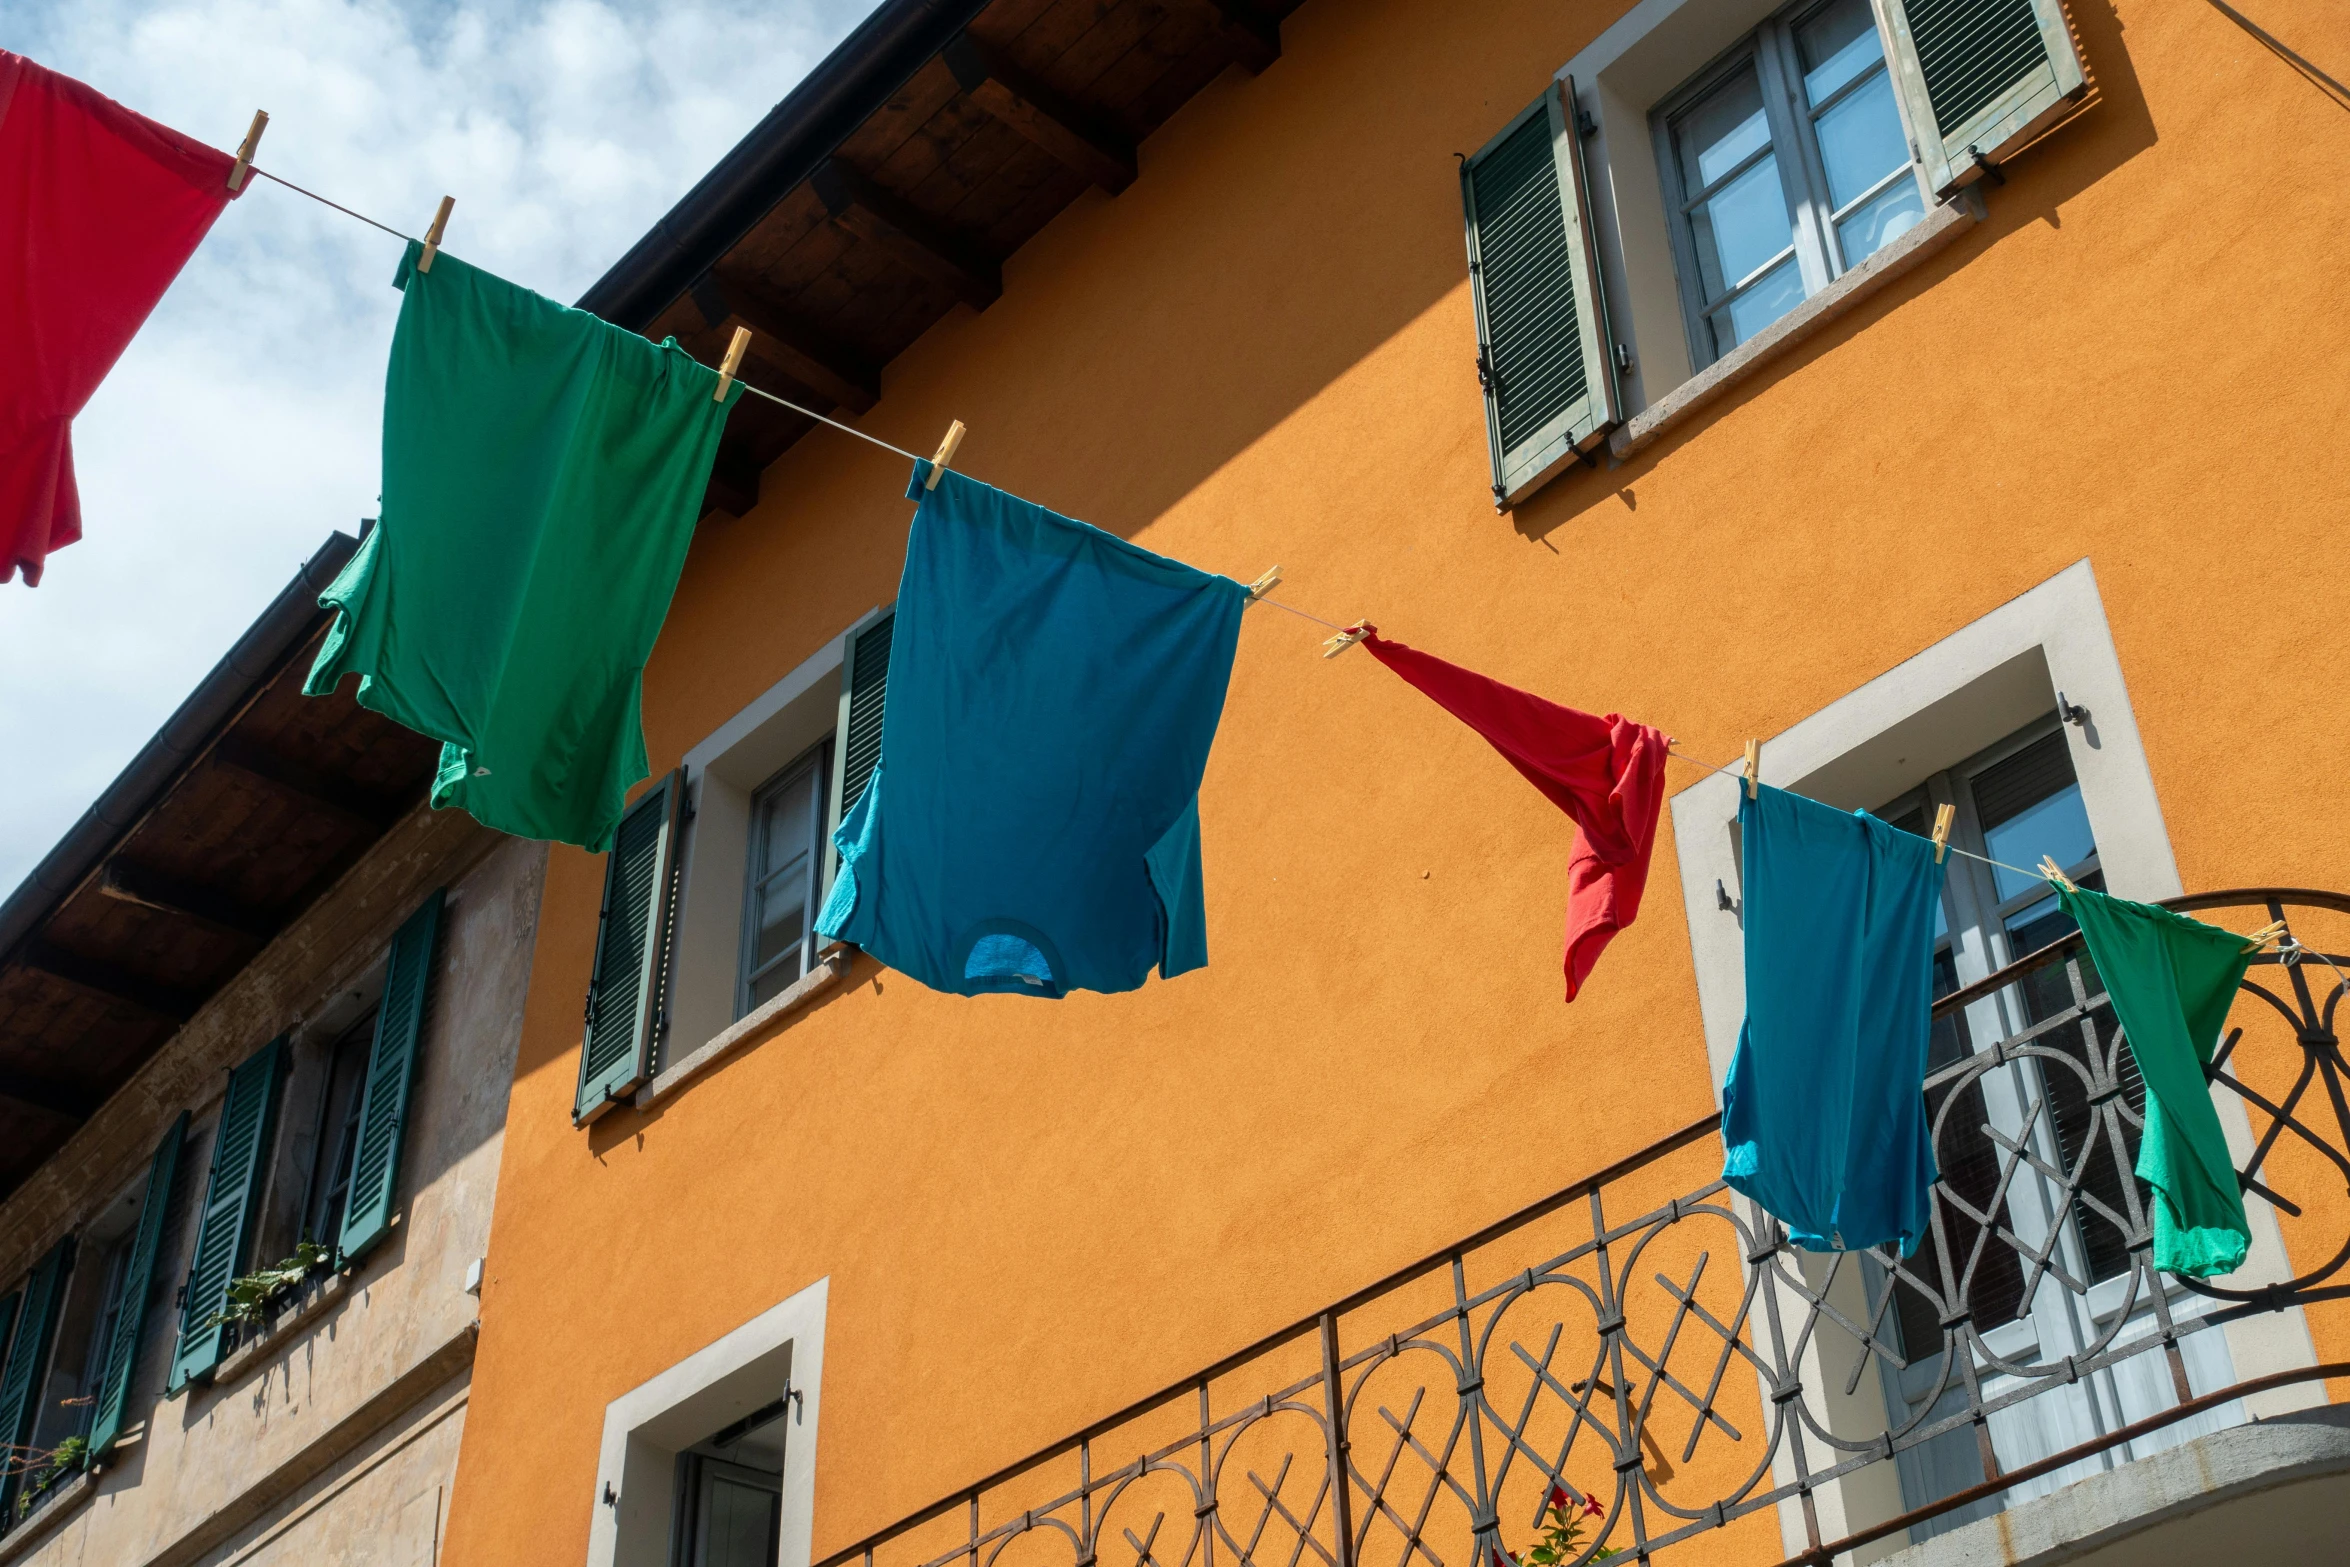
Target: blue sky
column 241, row 427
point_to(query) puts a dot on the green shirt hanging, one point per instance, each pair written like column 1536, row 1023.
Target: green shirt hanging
column 2172, row 980
column 542, row 473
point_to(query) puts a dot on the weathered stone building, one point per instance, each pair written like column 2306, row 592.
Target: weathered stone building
column 258, row 1012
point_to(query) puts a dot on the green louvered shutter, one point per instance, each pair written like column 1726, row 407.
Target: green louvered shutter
column 232, row 1202
column 28, row 1358
column 626, row 986
column 138, row 1278
column 1980, row 76
column 391, row 1067
column 10, row 1304
column 864, row 692
column 1542, row 339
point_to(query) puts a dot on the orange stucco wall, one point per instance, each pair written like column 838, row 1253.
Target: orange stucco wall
column 1031, row 1213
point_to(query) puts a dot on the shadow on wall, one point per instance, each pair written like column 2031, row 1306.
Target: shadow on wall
column 2077, row 154
column 2308, row 68
column 626, row 1124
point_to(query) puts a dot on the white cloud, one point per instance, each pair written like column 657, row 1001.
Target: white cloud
column 242, row 425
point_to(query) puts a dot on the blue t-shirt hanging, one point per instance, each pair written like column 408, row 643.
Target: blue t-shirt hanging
column 1033, row 824
column 1824, row 1112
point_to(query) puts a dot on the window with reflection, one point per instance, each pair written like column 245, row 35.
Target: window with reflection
column 2016, row 802
column 781, row 889
column 1791, row 166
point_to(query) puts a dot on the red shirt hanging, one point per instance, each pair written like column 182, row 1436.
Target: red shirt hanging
column 1607, row 774
column 99, row 210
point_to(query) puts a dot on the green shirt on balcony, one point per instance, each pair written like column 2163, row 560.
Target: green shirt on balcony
column 2172, row 980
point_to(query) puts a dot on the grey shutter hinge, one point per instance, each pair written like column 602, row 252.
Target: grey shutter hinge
column 1991, row 171
column 1485, row 367
column 1624, row 358
column 1585, row 124
column 2078, row 717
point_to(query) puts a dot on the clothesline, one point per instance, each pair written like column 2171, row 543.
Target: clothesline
column 324, row 202
column 887, row 446
column 1981, row 859
column 755, row 391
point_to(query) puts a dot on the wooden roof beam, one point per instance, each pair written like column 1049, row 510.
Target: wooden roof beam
column 50, row 1098
column 127, row 881
column 1250, row 32
column 1052, row 122
column 885, row 220
column 100, row 978
column 798, row 351
column 306, row 786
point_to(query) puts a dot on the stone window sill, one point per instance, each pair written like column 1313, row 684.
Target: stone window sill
column 829, row 969
column 60, row 1504
column 1679, row 408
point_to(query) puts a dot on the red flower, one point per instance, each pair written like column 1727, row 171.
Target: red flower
column 1560, row 1497
column 1591, row 1507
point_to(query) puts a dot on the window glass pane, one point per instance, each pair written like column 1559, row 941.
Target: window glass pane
column 1838, row 44
column 1892, row 213
column 1950, row 1043
column 1721, row 131
column 1741, row 228
column 783, row 909
column 782, row 867
column 2057, row 826
column 1861, row 140
column 1770, row 298
column 338, row 1125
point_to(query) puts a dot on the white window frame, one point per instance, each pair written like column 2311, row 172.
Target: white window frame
column 648, row 1426
column 1639, row 62
column 722, row 771
column 1938, row 708
column 1819, row 256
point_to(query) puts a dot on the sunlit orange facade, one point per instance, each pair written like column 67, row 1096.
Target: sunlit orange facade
column 1028, row 1214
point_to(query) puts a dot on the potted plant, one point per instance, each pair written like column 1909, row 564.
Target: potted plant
column 1564, row 1518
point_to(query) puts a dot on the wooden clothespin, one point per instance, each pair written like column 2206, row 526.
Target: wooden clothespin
column 1753, row 770
column 1943, row 817
column 2266, row 934
column 2055, row 873
column 1346, row 639
column 1264, row 584
column 432, row 236
column 732, row 362
column 946, row 454
column 252, row 144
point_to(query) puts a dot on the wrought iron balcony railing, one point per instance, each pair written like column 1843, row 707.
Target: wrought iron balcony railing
column 1688, row 1368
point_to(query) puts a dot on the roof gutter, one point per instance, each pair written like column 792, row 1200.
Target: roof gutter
column 290, row 617
column 844, row 89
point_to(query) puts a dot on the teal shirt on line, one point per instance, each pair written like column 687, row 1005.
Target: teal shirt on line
column 1032, row 827
column 1823, row 1113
